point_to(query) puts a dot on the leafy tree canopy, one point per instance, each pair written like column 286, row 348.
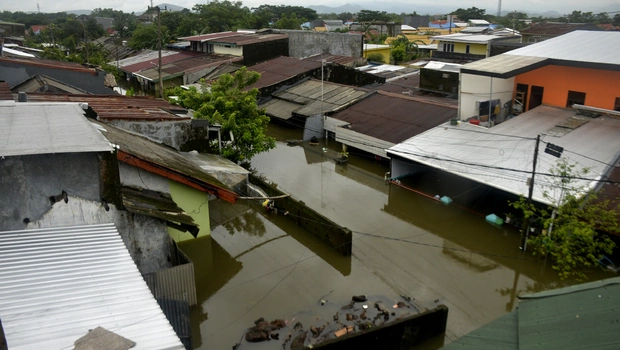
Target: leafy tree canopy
column 229, row 103
column 571, row 236
column 145, row 37
column 369, row 16
column 470, row 13
column 291, row 22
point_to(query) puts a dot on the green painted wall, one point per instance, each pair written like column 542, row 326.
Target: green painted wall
column 196, row 204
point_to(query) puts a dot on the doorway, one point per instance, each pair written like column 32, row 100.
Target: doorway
column 536, row 96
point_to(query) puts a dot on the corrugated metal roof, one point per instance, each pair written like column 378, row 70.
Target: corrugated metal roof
column 5, row 91
column 49, row 64
column 394, row 118
column 280, row 69
column 45, row 128
column 58, row 283
column 575, row 317
column 504, row 65
column 280, row 108
column 186, row 66
column 343, row 60
column 469, row 38
column 556, row 28
column 485, row 155
column 248, row 38
column 317, row 97
column 578, row 46
column 144, row 55
column 154, row 62
column 207, row 37
column 119, row 107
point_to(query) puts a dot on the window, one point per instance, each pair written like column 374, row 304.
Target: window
column 448, row 47
column 575, row 98
column 467, row 48
column 617, row 104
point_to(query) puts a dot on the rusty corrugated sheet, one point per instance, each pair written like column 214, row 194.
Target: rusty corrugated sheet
column 280, row 69
column 50, row 64
column 394, row 118
column 149, row 63
column 5, row 91
column 114, row 107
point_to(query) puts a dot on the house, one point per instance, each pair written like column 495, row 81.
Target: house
column 388, row 28
column 43, row 83
column 304, row 43
column 16, row 70
column 467, row 47
column 546, row 30
column 253, row 47
column 574, row 317
column 75, row 286
column 550, row 72
column 382, row 120
column 440, row 77
column 107, row 23
column 330, row 25
column 37, row 29
column 13, row 29
column 382, row 50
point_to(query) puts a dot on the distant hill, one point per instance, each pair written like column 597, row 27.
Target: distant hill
column 80, row 12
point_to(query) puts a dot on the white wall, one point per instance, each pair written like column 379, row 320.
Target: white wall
column 475, row 88
column 234, row 51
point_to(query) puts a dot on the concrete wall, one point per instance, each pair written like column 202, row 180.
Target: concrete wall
column 337, row 237
column 170, row 133
column 474, row 88
column 223, row 50
column 304, row 44
column 27, row 182
column 146, row 238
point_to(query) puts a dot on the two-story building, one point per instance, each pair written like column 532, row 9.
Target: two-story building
column 468, row 47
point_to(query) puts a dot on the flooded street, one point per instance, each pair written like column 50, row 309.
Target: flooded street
column 261, row 265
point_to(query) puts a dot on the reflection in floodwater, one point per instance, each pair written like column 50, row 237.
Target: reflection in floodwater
column 404, row 244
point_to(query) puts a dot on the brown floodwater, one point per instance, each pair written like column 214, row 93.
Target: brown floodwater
column 256, row 264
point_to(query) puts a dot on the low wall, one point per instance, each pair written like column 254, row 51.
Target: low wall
column 400, row 334
column 339, row 238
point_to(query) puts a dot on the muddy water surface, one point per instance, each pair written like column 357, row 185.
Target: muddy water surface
column 261, row 265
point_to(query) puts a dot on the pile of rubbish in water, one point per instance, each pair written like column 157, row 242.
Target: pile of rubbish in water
column 360, row 314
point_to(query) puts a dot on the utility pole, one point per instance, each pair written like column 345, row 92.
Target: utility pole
column 525, row 228
column 161, row 83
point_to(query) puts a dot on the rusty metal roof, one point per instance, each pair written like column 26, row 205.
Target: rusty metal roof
column 248, row 38
column 547, row 28
column 141, row 152
column 5, row 91
column 153, row 62
column 187, row 65
column 394, row 118
column 119, row 107
column 207, row 37
column 50, row 64
column 343, row 60
column 280, row 69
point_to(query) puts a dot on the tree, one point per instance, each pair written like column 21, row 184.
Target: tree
column 227, row 102
column 145, row 37
column 616, row 20
column 375, row 57
column 369, row 16
column 220, row 16
column 470, row 13
column 291, row 22
column 571, row 235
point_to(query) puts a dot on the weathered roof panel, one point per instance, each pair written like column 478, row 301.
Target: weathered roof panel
column 5, row 91
column 44, row 128
column 499, row 334
column 394, row 118
column 119, row 107
column 578, row 46
column 593, row 146
column 58, row 283
column 504, row 65
column 280, row 108
column 281, row 69
column 556, row 28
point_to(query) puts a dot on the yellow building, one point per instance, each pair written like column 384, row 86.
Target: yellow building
column 383, row 50
column 467, row 46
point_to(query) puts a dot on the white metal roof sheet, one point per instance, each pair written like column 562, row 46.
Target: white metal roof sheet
column 468, row 38
column 580, row 45
column 57, row 283
column 45, row 128
column 484, row 155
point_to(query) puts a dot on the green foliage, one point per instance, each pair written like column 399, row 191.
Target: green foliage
column 220, row 16
column 291, row 22
column 375, row 57
column 571, row 235
column 227, row 102
column 370, row 16
column 470, row 13
column 145, row 37
column 399, row 54
column 405, row 49
column 616, row 20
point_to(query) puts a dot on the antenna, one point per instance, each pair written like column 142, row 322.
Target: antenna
column 38, row 8
column 499, row 8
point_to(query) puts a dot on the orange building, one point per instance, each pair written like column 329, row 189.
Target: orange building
column 578, row 68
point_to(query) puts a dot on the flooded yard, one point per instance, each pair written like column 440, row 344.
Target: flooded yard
column 257, row 264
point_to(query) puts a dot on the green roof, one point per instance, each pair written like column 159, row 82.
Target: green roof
column 576, row 317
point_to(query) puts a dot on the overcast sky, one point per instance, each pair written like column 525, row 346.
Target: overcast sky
column 562, row 6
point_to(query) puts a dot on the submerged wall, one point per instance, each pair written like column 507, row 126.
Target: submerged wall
column 339, row 238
